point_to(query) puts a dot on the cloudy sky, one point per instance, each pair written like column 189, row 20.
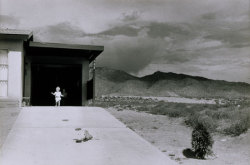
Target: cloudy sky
column 209, row 38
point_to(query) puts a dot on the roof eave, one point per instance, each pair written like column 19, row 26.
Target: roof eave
column 24, row 37
column 65, row 46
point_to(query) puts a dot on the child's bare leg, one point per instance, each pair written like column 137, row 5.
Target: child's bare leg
column 58, row 103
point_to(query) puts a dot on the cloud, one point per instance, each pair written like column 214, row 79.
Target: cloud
column 158, row 29
column 121, row 30
column 175, row 57
column 209, row 16
column 233, row 37
column 128, row 17
column 130, row 54
column 153, row 29
column 231, row 28
column 202, row 43
column 7, row 21
column 62, row 32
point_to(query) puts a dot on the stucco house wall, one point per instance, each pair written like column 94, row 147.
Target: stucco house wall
column 15, row 55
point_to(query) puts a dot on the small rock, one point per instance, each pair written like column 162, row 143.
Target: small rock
column 78, row 140
column 171, row 154
column 87, row 136
column 178, row 159
column 78, row 129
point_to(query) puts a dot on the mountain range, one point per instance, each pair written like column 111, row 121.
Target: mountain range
column 160, row 84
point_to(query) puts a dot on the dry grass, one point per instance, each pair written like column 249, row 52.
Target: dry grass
column 230, row 119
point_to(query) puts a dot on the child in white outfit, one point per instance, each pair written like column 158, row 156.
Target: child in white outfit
column 57, row 95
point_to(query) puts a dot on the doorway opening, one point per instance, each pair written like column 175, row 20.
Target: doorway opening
column 46, row 77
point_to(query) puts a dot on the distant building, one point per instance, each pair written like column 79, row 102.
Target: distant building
column 31, row 70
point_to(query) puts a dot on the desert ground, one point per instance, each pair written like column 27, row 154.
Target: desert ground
column 172, row 135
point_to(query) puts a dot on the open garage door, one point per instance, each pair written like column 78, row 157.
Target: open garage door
column 46, row 77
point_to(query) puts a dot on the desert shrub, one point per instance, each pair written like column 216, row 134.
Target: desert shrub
column 202, row 141
column 194, row 119
column 236, row 129
column 158, row 109
column 240, row 120
column 188, row 111
column 174, row 112
column 175, row 109
column 199, row 107
column 163, row 109
column 208, row 122
column 222, row 113
column 144, row 108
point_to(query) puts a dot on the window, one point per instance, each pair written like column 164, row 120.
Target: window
column 3, row 73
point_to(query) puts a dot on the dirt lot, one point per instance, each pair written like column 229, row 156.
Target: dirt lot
column 7, row 119
column 171, row 136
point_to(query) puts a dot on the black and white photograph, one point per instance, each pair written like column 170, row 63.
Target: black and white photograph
column 124, row 82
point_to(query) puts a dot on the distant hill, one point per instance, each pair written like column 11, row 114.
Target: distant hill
column 116, row 82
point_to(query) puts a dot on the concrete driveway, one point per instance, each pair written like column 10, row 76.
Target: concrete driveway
column 47, row 136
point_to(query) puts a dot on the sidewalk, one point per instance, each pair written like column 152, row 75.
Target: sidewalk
column 45, row 136
column 7, row 119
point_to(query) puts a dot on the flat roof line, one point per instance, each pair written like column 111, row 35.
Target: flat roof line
column 15, row 34
column 65, row 46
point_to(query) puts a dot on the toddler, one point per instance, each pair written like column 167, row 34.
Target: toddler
column 57, row 95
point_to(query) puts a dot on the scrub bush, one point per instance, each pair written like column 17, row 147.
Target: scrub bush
column 202, row 141
column 237, row 128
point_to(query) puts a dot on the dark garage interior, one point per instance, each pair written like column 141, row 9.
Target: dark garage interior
column 45, row 79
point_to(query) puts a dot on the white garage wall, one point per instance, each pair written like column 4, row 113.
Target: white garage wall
column 3, row 73
column 15, row 74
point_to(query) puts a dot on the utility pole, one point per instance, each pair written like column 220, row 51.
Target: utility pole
column 94, row 82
